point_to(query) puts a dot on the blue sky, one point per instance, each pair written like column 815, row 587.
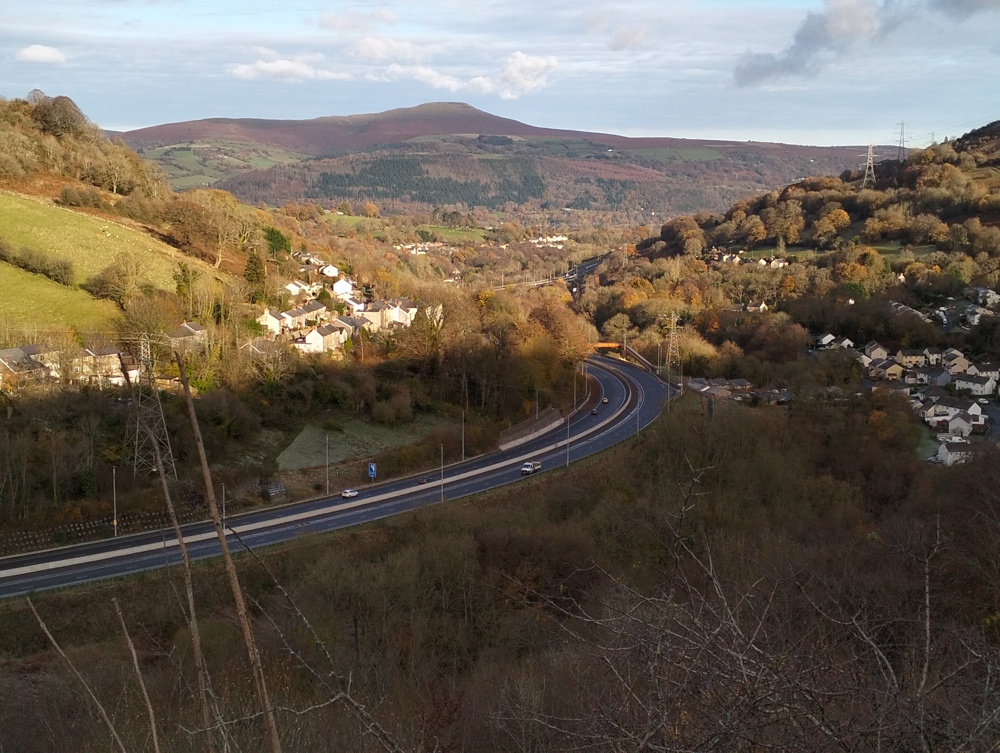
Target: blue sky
column 801, row 71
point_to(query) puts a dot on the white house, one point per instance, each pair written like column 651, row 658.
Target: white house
column 950, row 453
column 271, row 321
column 354, row 305
column 825, row 339
column 329, row 271
column 875, row 351
column 343, row 288
column 977, row 385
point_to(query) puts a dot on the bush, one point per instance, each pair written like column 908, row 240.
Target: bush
column 38, row 262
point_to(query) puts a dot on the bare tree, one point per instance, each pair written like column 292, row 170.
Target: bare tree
column 274, row 744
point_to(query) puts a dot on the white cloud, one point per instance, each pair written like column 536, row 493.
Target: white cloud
column 384, row 48
column 524, row 73
column 297, row 69
column 425, row 75
column 39, row 53
column 521, row 73
column 351, row 19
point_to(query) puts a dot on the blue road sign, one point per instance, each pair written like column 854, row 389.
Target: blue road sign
column 371, row 470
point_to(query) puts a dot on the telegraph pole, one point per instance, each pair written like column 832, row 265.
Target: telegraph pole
column 442, row 472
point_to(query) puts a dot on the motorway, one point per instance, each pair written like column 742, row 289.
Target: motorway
column 634, row 401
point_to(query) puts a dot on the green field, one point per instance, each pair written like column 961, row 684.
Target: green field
column 32, row 302
column 204, row 163
column 91, row 243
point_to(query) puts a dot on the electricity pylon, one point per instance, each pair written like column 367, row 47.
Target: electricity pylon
column 147, row 428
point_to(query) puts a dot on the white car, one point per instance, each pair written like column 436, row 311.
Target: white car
column 348, row 493
column 983, row 401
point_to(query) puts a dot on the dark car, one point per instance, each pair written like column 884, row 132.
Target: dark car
column 593, row 412
column 422, row 480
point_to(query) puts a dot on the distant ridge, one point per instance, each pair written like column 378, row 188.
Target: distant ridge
column 347, row 133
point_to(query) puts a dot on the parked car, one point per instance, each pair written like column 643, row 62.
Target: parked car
column 348, row 493
column 983, row 401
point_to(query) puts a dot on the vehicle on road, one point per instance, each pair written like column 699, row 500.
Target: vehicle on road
column 348, row 493
column 422, row 480
column 604, row 400
column 530, row 467
column 983, row 401
column 593, row 412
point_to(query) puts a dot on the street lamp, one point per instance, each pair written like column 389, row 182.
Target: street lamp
column 442, row 472
column 114, row 498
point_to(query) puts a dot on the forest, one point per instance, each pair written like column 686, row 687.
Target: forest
column 785, row 578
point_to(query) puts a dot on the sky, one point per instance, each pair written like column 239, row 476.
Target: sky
column 820, row 72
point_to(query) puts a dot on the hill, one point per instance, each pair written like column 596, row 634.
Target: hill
column 451, row 153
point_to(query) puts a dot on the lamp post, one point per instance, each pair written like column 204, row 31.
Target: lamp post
column 114, row 498
column 223, row 507
column 328, row 465
column 442, row 472
column 463, row 436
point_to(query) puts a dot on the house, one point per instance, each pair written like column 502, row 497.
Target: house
column 977, row 385
column 954, row 362
column 356, row 306
column 842, row 343
column 343, row 288
column 974, row 315
column 106, row 366
column 188, row 336
column 933, row 356
column 959, row 425
column 886, row 368
column 758, row 307
column 911, row 357
column 740, row 385
column 985, row 369
column 294, row 319
column 270, row 320
column 17, row 366
column 983, row 296
column 875, row 351
column 314, row 309
column 297, row 288
column 320, row 339
column 951, row 453
column 329, row 271
column 825, row 339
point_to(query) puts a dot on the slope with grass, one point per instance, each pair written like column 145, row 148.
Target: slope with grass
column 31, row 302
column 90, row 243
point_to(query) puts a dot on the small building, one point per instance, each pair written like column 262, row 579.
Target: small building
column 951, row 453
column 875, row 351
column 188, row 336
column 757, row 307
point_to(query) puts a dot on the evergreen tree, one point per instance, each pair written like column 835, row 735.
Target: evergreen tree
column 254, row 273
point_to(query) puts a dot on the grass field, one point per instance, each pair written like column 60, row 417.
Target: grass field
column 33, row 302
column 204, row 163
column 91, row 243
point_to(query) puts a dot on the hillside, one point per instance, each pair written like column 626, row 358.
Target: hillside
column 90, row 242
column 451, row 153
